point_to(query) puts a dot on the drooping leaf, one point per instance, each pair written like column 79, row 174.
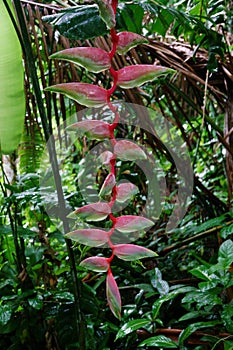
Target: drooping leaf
column 132, row 326
column 113, row 295
column 106, row 12
column 5, row 314
column 93, row 129
column 86, row 94
column 128, row 40
column 160, row 341
column 12, row 97
column 92, row 212
column 89, row 237
column 78, row 23
column 125, row 191
column 194, row 327
column 96, row 263
column 132, row 223
column 93, row 59
column 137, row 75
column 131, row 252
column 108, row 185
column 127, row 150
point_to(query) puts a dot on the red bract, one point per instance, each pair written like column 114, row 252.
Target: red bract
column 132, row 223
column 128, row 40
column 92, row 212
column 90, row 237
column 113, row 295
column 127, row 150
column 125, row 191
column 91, row 58
column 106, row 12
column 96, row 263
column 86, row 94
column 131, row 252
column 93, row 129
column 108, row 185
column 133, row 76
column 106, row 157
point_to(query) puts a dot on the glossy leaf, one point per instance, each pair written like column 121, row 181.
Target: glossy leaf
column 96, row 263
column 194, row 327
column 113, row 295
column 131, row 252
column 93, row 129
column 92, row 212
column 128, row 40
column 106, row 12
column 93, row 59
column 132, row 326
column 86, row 94
column 127, row 150
column 159, row 341
column 78, row 23
column 133, row 76
column 132, row 223
column 89, row 237
column 107, row 186
column 125, row 191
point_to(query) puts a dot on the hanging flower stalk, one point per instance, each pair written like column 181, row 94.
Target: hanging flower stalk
column 97, row 60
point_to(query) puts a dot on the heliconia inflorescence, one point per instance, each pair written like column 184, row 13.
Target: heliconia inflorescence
column 98, row 60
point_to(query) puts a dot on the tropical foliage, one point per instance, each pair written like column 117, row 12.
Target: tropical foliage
column 181, row 297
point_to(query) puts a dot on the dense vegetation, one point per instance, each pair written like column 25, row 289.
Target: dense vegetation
column 183, row 297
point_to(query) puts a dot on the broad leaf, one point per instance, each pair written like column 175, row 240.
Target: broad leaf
column 160, row 341
column 108, row 185
column 132, row 223
column 127, row 150
column 86, row 94
column 12, row 97
column 128, row 40
column 134, row 76
column 89, row 237
column 91, row 58
column 125, row 191
column 131, row 252
column 79, row 23
column 92, row 212
column 132, row 326
column 93, row 129
column 113, row 295
column 194, row 327
column 96, row 263
column 225, row 254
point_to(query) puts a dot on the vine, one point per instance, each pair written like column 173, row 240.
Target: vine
column 97, row 60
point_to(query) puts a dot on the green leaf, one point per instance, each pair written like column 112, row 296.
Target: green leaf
column 160, row 341
column 131, row 16
column 227, row 317
column 131, row 326
column 5, row 314
column 225, row 254
column 12, row 98
column 194, row 327
column 201, row 272
column 81, row 22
